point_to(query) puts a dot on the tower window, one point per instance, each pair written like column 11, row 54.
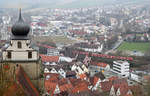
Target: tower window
column 19, row 45
column 9, row 55
column 29, row 54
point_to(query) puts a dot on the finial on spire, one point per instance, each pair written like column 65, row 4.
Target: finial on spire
column 20, row 16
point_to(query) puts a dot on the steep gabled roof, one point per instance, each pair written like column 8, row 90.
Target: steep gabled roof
column 80, row 86
column 25, row 82
column 65, row 85
column 106, row 86
column 120, row 82
column 13, row 90
column 51, row 81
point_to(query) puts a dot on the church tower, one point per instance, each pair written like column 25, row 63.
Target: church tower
column 20, row 53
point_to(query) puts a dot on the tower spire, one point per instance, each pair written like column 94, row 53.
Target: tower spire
column 20, row 15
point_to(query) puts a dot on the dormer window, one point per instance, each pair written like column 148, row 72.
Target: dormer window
column 19, row 45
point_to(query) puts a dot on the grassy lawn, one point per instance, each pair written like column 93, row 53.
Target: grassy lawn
column 55, row 39
column 134, row 46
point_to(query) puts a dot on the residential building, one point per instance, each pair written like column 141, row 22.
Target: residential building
column 89, row 47
column 121, row 68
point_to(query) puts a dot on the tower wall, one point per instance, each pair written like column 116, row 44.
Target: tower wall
column 32, row 69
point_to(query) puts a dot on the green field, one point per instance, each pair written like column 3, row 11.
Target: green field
column 134, row 46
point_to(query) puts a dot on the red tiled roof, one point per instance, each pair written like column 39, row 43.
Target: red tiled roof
column 82, row 76
column 52, row 78
column 106, row 86
column 12, row 90
column 65, row 85
column 91, row 80
column 51, row 83
column 70, row 85
column 49, row 58
column 113, row 78
column 73, row 81
column 117, row 83
column 25, row 83
column 137, row 89
column 99, row 64
column 124, row 90
column 63, row 81
column 80, row 87
column 95, row 80
column 120, row 83
column 50, row 87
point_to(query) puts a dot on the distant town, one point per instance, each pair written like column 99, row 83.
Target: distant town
column 97, row 51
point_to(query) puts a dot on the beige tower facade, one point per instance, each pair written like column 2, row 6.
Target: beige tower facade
column 19, row 53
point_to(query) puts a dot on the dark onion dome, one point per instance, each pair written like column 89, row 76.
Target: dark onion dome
column 20, row 28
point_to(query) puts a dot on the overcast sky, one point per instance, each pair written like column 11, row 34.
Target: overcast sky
column 27, row 3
